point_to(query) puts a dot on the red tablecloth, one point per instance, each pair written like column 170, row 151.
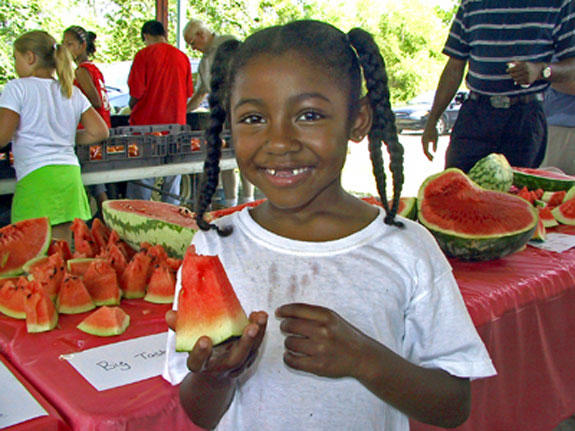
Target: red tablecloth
column 522, row 305
column 149, row 405
column 52, row 422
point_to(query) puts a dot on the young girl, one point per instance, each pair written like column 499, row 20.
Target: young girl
column 90, row 80
column 40, row 115
column 370, row 327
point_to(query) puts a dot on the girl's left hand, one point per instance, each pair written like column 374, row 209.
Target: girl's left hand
column 319, row 341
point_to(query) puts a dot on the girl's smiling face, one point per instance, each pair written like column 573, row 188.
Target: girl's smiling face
column 290, row 125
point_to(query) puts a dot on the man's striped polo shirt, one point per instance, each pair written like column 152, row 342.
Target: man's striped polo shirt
column 491, row 33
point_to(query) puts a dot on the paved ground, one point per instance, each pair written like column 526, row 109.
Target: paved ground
column 358, row 176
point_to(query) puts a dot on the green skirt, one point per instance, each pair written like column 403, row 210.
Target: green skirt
column 54, row 191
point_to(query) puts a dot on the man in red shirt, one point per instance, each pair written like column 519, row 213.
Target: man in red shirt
column 160, row 84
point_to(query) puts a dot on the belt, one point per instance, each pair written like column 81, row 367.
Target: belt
column 505, row 102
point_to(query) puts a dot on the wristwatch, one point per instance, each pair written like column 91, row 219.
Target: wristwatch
column 546, row 72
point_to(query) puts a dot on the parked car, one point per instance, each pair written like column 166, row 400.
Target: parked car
column 415, row 113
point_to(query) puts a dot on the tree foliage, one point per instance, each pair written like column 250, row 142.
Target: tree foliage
column 410, row 33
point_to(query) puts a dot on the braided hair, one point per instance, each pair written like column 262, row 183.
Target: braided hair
column 345, row 56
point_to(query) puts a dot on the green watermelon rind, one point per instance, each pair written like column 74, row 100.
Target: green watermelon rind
column 560, row 216
column 410, row 209
column 41, row 252
column 135, row 229
column 493, row 172
column 534, row 182
column 476, row 247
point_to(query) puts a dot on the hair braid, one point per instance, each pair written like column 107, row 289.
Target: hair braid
column 383, row 127
column 218, row 115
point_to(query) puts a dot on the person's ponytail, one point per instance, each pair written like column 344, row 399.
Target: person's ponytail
column 64, row 69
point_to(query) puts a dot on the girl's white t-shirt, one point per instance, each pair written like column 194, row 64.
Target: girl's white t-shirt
column 394, row 285
column 46, row 134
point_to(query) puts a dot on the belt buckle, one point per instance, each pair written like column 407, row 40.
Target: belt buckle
column 500, row 102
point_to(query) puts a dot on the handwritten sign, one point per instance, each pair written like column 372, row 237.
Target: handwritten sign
column 557, row 242
column 16, row 403
column 122, row 363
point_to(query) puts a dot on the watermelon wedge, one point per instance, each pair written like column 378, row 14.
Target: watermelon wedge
column 21, row 242
column 134, row 279
column 102, row 282
column 207, row 303
column 162, row 286
column 48, row 271
column 13, row 298
column 542, row 179
column 84, row 244
column 138, row 221
column 73, row 297
column 565, row 213
column 79, row 265
column 105, row 322
column 41, row 314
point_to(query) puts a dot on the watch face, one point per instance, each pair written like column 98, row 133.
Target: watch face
column 546, row 72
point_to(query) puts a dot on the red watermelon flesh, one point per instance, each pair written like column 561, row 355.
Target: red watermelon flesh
column 124, row 247
column 174, row 263
column 134, row 279
column 546, row 217
column 62, row 247
column 80, row 265
column 102, row 282
column 21, row 242
column 48, row 271
column 100, row 233
column 565, row 213
column 73, row 297
column 105, row 322
column 117, row 259
column 13, row 298
column 84, row 244
column 207, row 303
column 544, row 173
column 162, row 285
column 41, row 314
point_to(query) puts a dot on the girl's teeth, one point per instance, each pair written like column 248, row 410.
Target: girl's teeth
column 296, row 171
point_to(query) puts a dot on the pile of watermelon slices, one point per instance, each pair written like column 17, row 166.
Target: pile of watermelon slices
column 42, row 278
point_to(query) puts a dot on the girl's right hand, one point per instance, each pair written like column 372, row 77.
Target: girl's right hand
column 231, row 358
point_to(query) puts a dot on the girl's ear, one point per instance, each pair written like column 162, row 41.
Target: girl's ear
column 30, row 58
column 363, row 119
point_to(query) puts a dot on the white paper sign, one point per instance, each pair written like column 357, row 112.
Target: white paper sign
column 121, row 363
column 557, row 242
column 16, row 403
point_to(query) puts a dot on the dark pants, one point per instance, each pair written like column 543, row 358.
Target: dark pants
column 518, row 132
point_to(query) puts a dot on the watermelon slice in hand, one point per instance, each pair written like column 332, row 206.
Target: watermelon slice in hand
column 207, row 303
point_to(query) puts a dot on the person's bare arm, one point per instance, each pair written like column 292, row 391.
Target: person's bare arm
column 9, row 121
column 88, row 87
column 320, row 342
column 95, row 128
column 449, row 82
column 194, row 101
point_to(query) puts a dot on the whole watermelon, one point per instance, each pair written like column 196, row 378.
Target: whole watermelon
column 492, row 172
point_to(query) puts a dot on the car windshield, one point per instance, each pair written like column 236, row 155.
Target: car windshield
column 424, row 98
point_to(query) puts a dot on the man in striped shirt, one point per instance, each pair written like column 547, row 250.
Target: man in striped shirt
column 508, row 46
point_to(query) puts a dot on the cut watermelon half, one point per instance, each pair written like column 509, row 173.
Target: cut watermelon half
column 21, row 242
column 207, row 303
column 138, row 221
column 105, row 322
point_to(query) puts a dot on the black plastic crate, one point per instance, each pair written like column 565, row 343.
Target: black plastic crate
column 130, row 147
column 186, row 147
